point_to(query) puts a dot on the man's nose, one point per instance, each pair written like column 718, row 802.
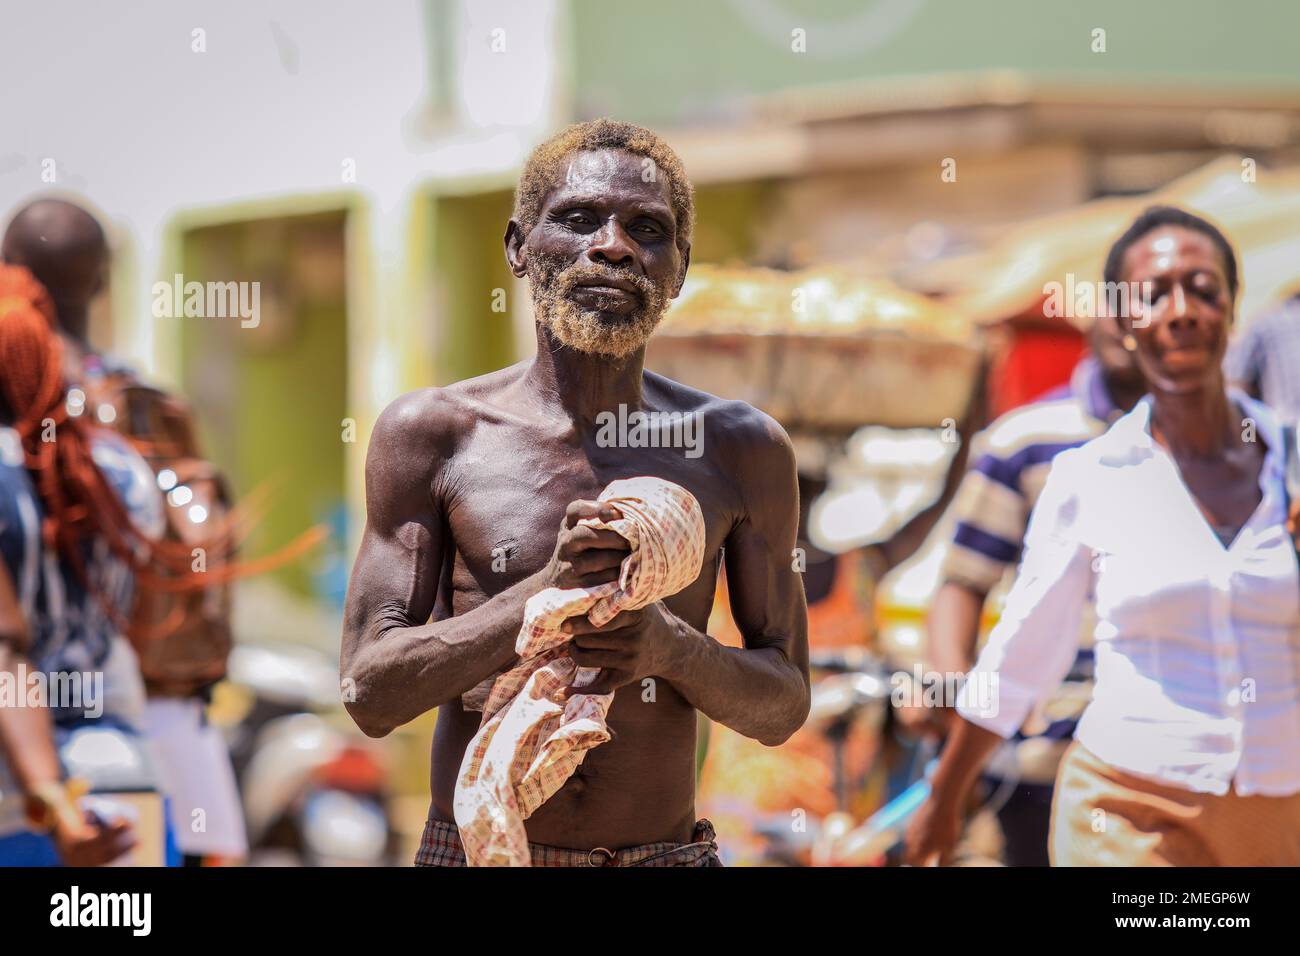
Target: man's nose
column 611, row 244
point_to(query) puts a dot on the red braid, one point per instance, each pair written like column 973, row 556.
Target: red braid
column 80, row 505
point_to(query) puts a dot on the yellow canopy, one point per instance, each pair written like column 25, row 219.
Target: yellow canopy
column 1260, row 218
column 822, row 301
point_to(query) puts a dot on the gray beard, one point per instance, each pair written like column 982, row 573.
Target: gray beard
column 585, row 330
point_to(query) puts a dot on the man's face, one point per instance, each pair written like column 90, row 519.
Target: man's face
column 603, row 260
column 1182, row 342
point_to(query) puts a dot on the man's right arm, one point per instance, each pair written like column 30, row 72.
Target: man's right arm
column 953, row 626
column 401, row 664
column 990, row 519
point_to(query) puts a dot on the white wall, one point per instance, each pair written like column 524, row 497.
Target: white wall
column 148, row 130
column 144, row 127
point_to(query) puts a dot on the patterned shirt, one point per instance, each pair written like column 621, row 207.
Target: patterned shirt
column 70, row 630
column 1265, row 360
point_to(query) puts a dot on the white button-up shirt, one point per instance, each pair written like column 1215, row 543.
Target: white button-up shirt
column 1197, row 645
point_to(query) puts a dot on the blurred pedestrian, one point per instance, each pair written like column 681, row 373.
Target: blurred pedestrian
column 1264, row 361
column 1176, row 520
column 64, row 246
column 74, row 503
column 992, row 509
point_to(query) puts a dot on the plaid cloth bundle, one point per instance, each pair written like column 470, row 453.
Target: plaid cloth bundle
column 531, row 739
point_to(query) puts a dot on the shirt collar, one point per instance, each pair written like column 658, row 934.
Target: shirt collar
column 1088, row 386
column 1129, row 440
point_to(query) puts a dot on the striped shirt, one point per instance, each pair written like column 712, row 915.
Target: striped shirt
column 1012, row 459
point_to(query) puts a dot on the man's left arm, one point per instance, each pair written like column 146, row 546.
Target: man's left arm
column 762, row 689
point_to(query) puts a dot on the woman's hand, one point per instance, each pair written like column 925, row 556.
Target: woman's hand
column 90, row 841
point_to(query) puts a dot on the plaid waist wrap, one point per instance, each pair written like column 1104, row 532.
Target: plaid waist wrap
column 531, row 740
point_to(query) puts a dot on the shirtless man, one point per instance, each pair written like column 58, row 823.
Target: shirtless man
column 505, row 465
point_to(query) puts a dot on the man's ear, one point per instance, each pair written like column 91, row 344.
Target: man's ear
column 515, row 237
column 681, row 273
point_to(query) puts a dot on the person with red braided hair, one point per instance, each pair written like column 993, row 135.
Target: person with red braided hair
column 182, row 625
column 78, row 510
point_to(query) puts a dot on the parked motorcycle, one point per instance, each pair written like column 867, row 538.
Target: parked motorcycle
column 315, row 791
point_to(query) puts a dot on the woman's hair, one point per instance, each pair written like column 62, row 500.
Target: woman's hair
column 80, row 504
column 1157, row 217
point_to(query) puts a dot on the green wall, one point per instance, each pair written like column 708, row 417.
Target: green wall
column 695, row 61
column 469, row 264
column 271, row 399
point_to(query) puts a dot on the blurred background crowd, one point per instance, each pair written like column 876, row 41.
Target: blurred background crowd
column 912, row 173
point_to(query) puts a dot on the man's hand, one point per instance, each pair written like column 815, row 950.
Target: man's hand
column 634, row 644
column 919, row 720
column 89, row 841
column 933, row 834
column 584, row 556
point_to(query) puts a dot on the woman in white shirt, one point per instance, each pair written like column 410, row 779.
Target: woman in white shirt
column 1175, row 520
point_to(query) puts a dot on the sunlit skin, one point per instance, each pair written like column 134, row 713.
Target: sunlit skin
column 495, row 465
column 1179, row 346
column 584, row 207
column 1180, row 350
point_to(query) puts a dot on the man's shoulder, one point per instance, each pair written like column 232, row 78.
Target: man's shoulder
column 1052, row 423
column 687, row 398
column 739, row 434
column 434, row 418
column 424, row 419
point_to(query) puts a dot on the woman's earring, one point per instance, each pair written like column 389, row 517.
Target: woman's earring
column 1130, row 343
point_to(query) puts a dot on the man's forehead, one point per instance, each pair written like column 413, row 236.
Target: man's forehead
column 597, row 172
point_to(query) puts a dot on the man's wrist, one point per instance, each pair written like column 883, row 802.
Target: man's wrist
column 673, row 642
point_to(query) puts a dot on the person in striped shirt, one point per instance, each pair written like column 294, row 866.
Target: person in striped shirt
column 1011, row 461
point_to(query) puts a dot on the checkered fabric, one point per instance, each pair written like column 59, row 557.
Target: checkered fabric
column 441, row 846
column 531, row 740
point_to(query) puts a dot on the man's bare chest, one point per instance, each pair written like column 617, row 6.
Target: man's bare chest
column 505, row 497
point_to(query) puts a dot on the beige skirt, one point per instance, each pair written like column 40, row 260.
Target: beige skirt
column 1102, row 816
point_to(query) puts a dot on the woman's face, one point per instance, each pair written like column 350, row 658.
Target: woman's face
column 1182, row 335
